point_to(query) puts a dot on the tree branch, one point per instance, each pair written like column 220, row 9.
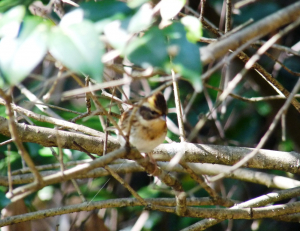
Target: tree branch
column 260, row 28
column 196, row 153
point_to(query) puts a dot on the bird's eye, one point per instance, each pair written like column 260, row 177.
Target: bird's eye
column 147, row 113
column 154, row 113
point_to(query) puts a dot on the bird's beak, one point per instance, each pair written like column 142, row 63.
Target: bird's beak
column 164, row 117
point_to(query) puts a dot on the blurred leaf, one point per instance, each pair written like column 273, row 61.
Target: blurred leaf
column 185, row 55
column 19, row 56
column 153, row 219
column 11, row 20
column 15, row 162
column 106, row 9
column 8, row 4
column 256, row 11
column 286, row 146
column 3, row 199
column 263, row 108
column 46, row 193
column 149, row 50
column 74, row 17
column 45, row 151
column 117, row 34
column 141, row 20
column 193, row 28
column 148, row 192
column 170, row 8
column 78, row 47
column 136, row 3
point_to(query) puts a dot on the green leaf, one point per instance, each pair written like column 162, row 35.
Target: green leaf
column 149, row 50
column 20, row 55
column 170, row 8
column 136, row 3
column 78, row 47
column 193, row 27
column 6, row 5
column 11, row 20
column 46, row 152
column 106, row 9
column 119, row 32
column 185, row 55
column 142, row 19
column 46, row 193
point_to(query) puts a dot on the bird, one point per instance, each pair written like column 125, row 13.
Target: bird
column 148, row 124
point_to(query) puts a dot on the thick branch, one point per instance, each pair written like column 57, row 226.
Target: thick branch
column 247, row 213
column 260, row 28
column 113, row 203
column 269, row 180
column 47, row 137
column 227, row 155
column 196, row 153
column 71, row 173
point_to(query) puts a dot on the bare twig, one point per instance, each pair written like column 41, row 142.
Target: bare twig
column 69, row 173
column 14, row 134
column 47, row 97
column 279, row 47
column 260, row 28
column 6, row 142
column 243, row 3
column 266, row 135
column 9, row 175
column 178, row 108
column 40, row 105
column 58, row 122
column 112, row 203
column 228, row 16
column 96, row 87
column 200, row 180
column 201, row 17
column 256, row 202
column 269, row 180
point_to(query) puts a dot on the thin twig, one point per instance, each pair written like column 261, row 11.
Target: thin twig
column 9, row 175
column 279, row 47
column 6, row 142
column 53, row 106
column 96, row 87
column 259, row 201
column 243, row 3
column 256, row 57
column 214, row 114
column 58, row 122
column 200, row 180
column 47, row 96
column 232, row 84
column 252, row 99
column 228, row 16
column 201, row 16
column 178, row 108
column 228, row 59
column 69, row 173
column 33, row 98
column 242, row 56
column 265, row 137
column 14, row 134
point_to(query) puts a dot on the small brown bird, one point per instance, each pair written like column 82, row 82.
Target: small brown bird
column 148, row 124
